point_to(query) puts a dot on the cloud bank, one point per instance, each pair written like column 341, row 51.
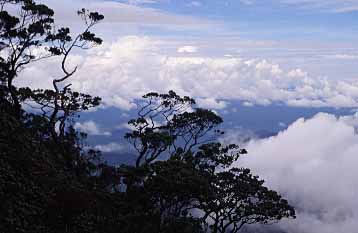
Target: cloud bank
column 314, row 164
column 122, row 71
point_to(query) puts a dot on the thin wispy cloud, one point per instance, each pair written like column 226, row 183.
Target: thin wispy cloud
column 129, row 14
column 195, row 4
column 336, row 6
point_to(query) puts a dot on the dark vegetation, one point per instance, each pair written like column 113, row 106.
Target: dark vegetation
column 183, row 180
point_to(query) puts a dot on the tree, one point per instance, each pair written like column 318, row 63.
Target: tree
column 46, row 181
column 189, row 175
column 166, row 125
column 30, row 37
column 239, row 198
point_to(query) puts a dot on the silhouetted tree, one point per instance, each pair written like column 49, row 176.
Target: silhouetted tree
column 167, row 123
column 30, row 36
column 46, row 176
column 190, row 176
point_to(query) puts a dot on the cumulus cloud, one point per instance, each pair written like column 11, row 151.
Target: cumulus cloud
column 110, row 147
column 248, row 104
column 187, row 49
column 91, row 128
column 123, row 71
column 211, row 103
column 313, row 163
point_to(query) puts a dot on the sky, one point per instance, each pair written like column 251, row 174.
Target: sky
column 282, row 73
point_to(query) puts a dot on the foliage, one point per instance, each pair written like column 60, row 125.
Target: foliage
column 189, row 175
column 183, row 179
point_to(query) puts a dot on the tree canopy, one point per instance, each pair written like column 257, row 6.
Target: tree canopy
column 184, row 179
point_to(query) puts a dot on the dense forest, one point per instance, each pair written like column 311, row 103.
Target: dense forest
column 183, row 179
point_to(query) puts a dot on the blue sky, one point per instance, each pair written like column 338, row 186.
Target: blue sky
column 270, row 19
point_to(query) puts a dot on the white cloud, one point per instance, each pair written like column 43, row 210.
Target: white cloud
column 195, row 4
column 343, row 56
column 139, row 2
column 248, row 104
column 91, row 128
column 282, row 125
column 111, row 147
column 247, row 2
column 211, row 103
column 120, row 102
column 238, row 135
column 126, row 126
column 313, row 163
column 297, row 73
column 346, row 9
column 187, row 49
column 123, row 71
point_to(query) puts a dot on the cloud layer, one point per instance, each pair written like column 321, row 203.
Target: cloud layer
column 124, row 70
column 313, row 163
